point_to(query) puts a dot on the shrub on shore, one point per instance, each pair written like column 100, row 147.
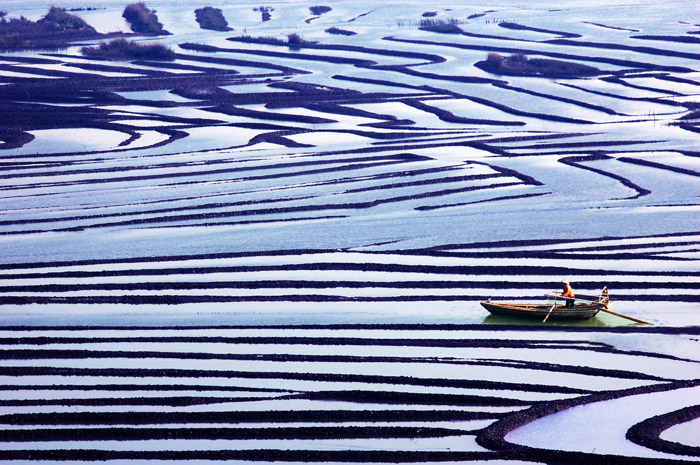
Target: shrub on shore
column 123, row 50
column 211, row 18
column 59, row 19
column 143, row 20
column 294, row 40
column 341, row 32
column 443, row 26
column 318, row 10
column 519, row 65
column 265, row 11
column 55, row 30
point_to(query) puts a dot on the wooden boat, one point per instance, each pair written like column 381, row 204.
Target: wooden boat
column 579, row 311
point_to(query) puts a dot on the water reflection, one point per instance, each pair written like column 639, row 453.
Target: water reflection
column 596, row 321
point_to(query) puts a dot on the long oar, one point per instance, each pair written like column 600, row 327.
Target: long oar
column 604, row 308
column 550, row 312
column 607, row 310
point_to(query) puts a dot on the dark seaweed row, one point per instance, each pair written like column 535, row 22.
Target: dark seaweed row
column 493, row 436
column 467, row 270
column 222, row 433
column 357, row 396
column 577, row 162
column 319, row 298
column 628, row 64
column 647, row 433
column 136, row 429
column 304, row 284
column 243, row 416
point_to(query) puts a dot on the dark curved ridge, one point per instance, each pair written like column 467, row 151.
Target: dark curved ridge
column 319, row 298
column 450, row 117
column 325, row 266
column 365, row 396
column 570, row 101
column 612, row 61
column 647, row 433
column 631, row 48
column 494, row 199
column 302, row 456
column 241, row 417
column 275, row 210
column 493, row 436
column 576, row 161
column 305, row 284
column 522, row 27
column 661, row 166
column 223, row 433
column 345, row 164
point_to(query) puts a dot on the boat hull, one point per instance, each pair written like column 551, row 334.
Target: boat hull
column 560, row 312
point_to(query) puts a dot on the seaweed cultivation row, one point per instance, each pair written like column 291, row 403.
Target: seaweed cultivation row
column 334, row 394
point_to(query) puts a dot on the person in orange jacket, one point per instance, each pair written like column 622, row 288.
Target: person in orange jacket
column 568, row 293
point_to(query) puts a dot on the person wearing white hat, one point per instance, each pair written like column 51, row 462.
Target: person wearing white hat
column 568, row 293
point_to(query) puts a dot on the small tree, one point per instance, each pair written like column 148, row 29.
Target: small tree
column 517, row 59
column 494, row 60
column 295, row 40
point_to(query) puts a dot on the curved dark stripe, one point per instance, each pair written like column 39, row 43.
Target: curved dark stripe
column 631, row 48
column 243, row 416
column 647, row 433
column 570, row 101
column 567, row 56
column 176, row 299
column 494, row 342
column 170, row 401
column 222, row 433
column 450, row 117
column 428, row 58
column 138, row 387
column 343, row 166
column 332, row 377
column 62, row 354
column 345, row 180
column 467, row 270
column 301, row 456
column 661, row 166
column 197, row 209
column 493, row 436
column 303, row 284
column 576, row 162
column 677, row 330
column 278, row 210
column 495, row 199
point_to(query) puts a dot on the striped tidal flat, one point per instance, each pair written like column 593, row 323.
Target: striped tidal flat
column 319, row 394
column 266, row 239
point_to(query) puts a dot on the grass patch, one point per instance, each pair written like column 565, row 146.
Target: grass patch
column 294, row 41
column 211, row 18
column 143, row 20
column 59, row 19
column 265, row 11
column 678, row 39
column 341, row 32
column 123, row 50
column 318, row 10
column 54, row 31
column 442, row 26
column 520, row 65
